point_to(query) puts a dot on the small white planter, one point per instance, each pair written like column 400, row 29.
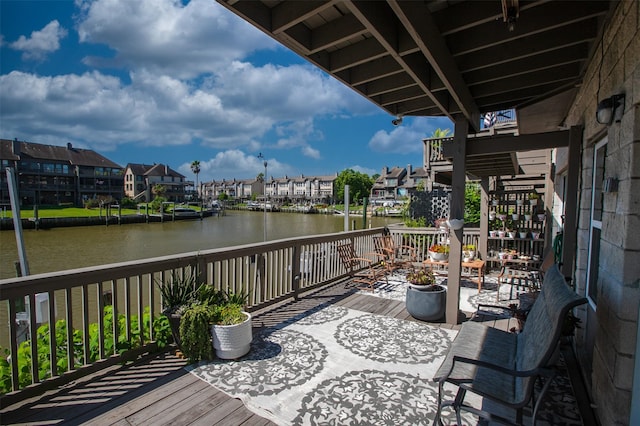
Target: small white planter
column 522, row 234
column 232, row 341
column 528, row 217
column 501, row 234
column 493, row 234
column 438, row 257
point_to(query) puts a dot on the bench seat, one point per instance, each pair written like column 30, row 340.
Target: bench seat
column 503, row 366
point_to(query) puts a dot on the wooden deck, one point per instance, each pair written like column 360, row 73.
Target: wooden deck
column 157, row 390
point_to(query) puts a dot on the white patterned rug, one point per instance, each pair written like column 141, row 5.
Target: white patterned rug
column 338, row 366
column 470, row 298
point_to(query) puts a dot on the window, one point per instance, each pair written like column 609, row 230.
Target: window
column 595, row 223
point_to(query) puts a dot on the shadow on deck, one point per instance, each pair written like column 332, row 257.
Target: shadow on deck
column 158, row 390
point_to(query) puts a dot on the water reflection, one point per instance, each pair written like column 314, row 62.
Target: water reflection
column 67, row 248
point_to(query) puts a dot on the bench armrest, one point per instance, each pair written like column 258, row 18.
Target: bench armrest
column 545, row 372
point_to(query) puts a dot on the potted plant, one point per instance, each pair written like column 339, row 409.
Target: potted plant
column 425, row 300
column 231, row 329
column 178, row 292
column 216, row 320
column 194, row 332
column 468, row 252
column 439, row 252
column 533, row 198
column 514, row 215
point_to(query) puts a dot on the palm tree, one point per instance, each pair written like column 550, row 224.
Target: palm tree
column 440, row 133
column 195, row 168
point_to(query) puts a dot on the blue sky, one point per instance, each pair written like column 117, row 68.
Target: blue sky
column 162, row 81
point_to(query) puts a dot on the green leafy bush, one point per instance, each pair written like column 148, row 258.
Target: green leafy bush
column 161, row 336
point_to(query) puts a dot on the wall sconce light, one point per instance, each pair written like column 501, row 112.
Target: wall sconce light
column 610, row 185
column 610, row 109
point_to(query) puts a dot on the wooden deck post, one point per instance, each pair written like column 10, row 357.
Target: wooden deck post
column 456, row 211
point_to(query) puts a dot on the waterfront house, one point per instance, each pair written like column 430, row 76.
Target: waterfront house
column 139, row 180
column 570, row 70
column 55, row 175
column 388, row 185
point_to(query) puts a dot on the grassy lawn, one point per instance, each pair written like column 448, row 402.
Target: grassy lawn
column 64, row 212
column 58, row 211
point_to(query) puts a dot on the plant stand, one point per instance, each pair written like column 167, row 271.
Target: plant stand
column 426, row 305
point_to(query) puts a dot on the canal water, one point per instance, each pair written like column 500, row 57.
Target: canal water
column 60, row 249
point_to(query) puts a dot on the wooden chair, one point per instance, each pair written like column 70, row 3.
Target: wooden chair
column 394, row 256
column 364, row 272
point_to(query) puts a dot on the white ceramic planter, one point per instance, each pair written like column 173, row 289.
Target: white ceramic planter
column 232, row 341
column 438, row 257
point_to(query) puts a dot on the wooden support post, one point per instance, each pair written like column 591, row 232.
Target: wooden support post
column 456, row 211
column 571, row 205
column 484, row 218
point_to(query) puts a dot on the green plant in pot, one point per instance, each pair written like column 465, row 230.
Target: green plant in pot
column 178, row 292
column 195, row 332
column 231, row 330
column 425, row 299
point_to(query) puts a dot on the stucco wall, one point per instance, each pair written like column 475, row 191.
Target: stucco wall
column 615, row 69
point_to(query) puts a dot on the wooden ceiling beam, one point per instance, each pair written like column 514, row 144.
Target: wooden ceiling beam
column 290, row 13
column 423, row 28
column 553, row 15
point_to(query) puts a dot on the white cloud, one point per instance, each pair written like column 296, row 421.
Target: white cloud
column 235, row 164
column 407, row 138
column 366, row 170
column 41, row 42
column 167, row 37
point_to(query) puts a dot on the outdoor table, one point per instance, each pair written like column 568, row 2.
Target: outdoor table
column 471, row 265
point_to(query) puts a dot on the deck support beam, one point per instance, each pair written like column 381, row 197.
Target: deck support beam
column 456, row 211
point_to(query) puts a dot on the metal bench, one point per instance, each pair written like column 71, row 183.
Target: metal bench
column 503, row 366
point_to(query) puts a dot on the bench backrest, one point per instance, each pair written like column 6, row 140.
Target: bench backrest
column 543, row 327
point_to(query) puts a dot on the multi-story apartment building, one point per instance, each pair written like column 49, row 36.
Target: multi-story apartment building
column 139, row 180
column 388, row 184
column 54, row 175
column 399, row 182
column 314, row 189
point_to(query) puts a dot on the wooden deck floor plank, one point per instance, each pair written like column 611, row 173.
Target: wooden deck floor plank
column 173, row 396
column 157, row 412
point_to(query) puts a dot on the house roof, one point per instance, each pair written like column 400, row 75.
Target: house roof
column 19, row 150
column 153, row 170
column 444, row 58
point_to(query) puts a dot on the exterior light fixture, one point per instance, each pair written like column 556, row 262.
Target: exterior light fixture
column 610, row 109
column 510, row 13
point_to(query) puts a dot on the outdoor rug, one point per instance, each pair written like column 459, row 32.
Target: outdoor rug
column 396, row 288
column 338, row 366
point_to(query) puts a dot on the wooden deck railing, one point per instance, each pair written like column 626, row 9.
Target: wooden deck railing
column 110, row 313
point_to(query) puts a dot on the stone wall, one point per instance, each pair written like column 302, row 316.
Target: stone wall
column 614, row 69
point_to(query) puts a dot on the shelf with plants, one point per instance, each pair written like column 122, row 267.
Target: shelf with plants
column 516, row 223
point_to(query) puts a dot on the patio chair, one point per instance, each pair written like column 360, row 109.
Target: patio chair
column 503, row 367
column 364, row 272
column 527, row 278
column 394, row 256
